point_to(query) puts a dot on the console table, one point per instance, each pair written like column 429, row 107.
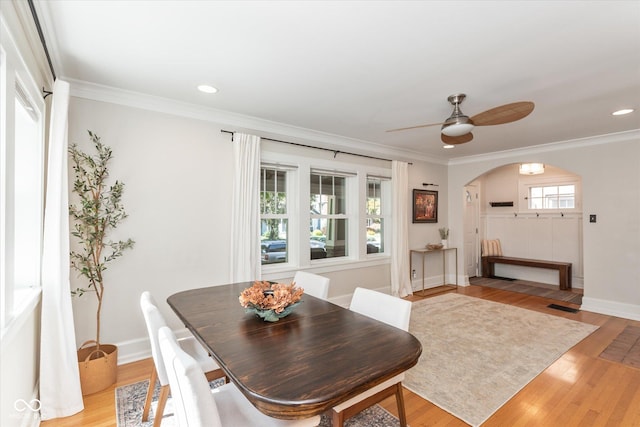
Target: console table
column 423, row 253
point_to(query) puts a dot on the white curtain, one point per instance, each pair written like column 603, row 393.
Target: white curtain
column 245, row 210
column 400, row 278
column 60, row 392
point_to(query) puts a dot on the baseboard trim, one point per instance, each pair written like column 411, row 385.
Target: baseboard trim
column 133, row 350
column 435, row 281
column 611, row 308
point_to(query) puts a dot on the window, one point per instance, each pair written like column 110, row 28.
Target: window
column 376, row 210
column 552, row 197
column 21, row 182
column 320, row 213
column 273, row 213
column 27, row 193
column 328, row 212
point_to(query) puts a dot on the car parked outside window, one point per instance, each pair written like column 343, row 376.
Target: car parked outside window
column 274, row 251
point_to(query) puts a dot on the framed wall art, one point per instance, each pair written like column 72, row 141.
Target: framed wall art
column 425, row 206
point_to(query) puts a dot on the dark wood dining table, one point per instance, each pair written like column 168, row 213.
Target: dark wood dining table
column 302, row 365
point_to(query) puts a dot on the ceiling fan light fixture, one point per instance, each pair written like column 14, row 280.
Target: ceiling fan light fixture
column 458, row 128
column 531, row 168
column 458, row 123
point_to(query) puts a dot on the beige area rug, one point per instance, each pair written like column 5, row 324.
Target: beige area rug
column 477, row 354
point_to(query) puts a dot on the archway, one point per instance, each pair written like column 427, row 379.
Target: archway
column 534, row 216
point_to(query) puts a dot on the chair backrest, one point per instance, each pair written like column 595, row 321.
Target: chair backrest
column 491, row 248
column 154, row 320
column 193, row 402
column 313, row 284
column 391, row 310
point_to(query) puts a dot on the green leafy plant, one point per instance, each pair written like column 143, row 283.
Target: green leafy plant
column 98, row 211
column 444, row 233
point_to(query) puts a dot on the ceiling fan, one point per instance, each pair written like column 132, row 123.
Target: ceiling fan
column 457, row 128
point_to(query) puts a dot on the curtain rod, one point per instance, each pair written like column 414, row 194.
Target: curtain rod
column 335, row 152
column 42, row 41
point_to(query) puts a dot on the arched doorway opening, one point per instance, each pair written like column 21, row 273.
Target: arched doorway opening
column 534, row 216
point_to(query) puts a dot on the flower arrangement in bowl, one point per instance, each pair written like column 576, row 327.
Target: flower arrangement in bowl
column 271, row 301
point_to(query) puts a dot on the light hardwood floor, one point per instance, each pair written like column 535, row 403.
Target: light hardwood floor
column 579, row 389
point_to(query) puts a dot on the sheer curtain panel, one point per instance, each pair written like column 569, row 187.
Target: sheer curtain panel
column 60, row 393
column 400, row 281
column 245, row 210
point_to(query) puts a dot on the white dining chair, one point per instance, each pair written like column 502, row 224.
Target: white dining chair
column 313, row 284
column 154, row 321
column 197, row 405
column 392, row 311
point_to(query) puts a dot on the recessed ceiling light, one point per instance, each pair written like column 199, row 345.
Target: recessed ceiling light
column 207, row 89
column 448, row 146
column 622, row 112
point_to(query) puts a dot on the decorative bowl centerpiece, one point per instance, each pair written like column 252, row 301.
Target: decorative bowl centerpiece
column 271, row 301
column 434, row 246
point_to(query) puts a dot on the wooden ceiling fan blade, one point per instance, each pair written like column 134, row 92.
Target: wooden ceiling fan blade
column 415, row 127
column 456, row 139
column 504, row 114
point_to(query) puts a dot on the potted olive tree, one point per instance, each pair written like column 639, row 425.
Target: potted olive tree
column 98, row 211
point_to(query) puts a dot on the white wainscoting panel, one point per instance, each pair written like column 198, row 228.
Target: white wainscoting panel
column 547, row 236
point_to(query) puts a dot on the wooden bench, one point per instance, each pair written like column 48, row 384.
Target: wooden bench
column 564, row 268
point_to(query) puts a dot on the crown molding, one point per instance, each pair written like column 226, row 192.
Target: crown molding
column 239, row 122
column 271, row 129
column 611, row 138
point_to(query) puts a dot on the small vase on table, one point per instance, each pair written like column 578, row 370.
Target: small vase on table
column 444, row 235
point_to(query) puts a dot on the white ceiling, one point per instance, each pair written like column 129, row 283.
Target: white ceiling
column 358, row 68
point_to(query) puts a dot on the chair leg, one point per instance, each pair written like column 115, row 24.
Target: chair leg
column 337, row 418
column 215, row 374
column 152, row 385
column 402, row 416
column 162, row 401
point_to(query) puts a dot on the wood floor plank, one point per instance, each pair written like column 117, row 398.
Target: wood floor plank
column 579, row 389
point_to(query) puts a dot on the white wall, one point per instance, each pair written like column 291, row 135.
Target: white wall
column 176, row 174
column 421, row 234
column 610, row 171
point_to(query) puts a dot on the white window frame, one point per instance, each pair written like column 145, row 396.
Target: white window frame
column 347, row 215
column 17, row 298
column 385, row 213
column 299, row 194
column 525, row 185
column 291, row 187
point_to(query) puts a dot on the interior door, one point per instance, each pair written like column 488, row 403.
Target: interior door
column 471, row 219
